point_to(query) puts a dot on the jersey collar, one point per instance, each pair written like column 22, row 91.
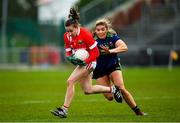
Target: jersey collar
column 78, row 31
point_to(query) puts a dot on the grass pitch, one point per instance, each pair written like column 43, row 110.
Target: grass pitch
column 27, row 96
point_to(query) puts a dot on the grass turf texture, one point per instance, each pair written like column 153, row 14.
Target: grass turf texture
column 28, row 96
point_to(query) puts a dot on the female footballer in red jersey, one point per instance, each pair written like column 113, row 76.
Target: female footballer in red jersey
column 108, row 67
column 77, row 37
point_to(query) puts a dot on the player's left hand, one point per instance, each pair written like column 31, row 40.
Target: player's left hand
column 80, row 62
column 105, row 49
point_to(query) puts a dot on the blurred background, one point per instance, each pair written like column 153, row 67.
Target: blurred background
column 32, row 30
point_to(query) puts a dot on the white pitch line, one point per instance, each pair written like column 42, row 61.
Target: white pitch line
column 36, row 102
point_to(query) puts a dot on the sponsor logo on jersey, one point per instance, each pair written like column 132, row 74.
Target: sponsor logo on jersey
column 80, row 41
column 111, row 44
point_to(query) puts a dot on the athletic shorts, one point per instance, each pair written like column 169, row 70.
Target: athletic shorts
column 91, row 66
column 100, row 72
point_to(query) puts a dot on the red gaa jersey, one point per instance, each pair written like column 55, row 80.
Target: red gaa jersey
column 83, row 40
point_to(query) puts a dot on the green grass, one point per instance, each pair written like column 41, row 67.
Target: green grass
column 29, row 95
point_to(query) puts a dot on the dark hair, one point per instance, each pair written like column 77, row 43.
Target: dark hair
column 73, row 18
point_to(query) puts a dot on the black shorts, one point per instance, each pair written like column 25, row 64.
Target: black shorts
column 100, row 72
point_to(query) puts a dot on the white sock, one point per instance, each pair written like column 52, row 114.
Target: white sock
column 65, row 108
column 113, row 89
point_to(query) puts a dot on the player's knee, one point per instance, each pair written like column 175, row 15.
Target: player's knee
column 87, row 92
column 70, row 82
column 108, row 96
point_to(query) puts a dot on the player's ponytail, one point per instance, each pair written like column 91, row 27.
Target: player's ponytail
column 73, row 18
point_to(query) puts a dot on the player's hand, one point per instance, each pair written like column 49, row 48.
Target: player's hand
column 72, row 59
column 105, row 49
column 80, row 62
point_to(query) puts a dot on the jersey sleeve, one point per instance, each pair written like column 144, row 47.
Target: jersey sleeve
column 92, row 46
column 93, row 54
column 67, row 46
column 91, row 43
column 115, row 38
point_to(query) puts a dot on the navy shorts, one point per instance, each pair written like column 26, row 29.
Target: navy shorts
column 102, row 71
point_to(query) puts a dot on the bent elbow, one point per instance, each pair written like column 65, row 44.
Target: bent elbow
column 126, row 49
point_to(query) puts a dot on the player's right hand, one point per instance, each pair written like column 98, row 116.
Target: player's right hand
column 72, row 59
column 80, row 62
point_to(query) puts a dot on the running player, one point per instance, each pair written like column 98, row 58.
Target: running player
column 108, row 66
column 77, row 37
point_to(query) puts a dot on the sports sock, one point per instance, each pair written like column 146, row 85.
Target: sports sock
column 136, row 109
column 110, row 89
column 65, row 108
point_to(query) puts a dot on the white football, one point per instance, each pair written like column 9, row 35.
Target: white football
column 81, row 54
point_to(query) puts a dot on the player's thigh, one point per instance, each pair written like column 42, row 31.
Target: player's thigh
column 86, row 83
column 103, row 81
column 117, row 78
column 77, row 74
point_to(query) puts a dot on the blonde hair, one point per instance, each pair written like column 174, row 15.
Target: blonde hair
column 107, row 24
